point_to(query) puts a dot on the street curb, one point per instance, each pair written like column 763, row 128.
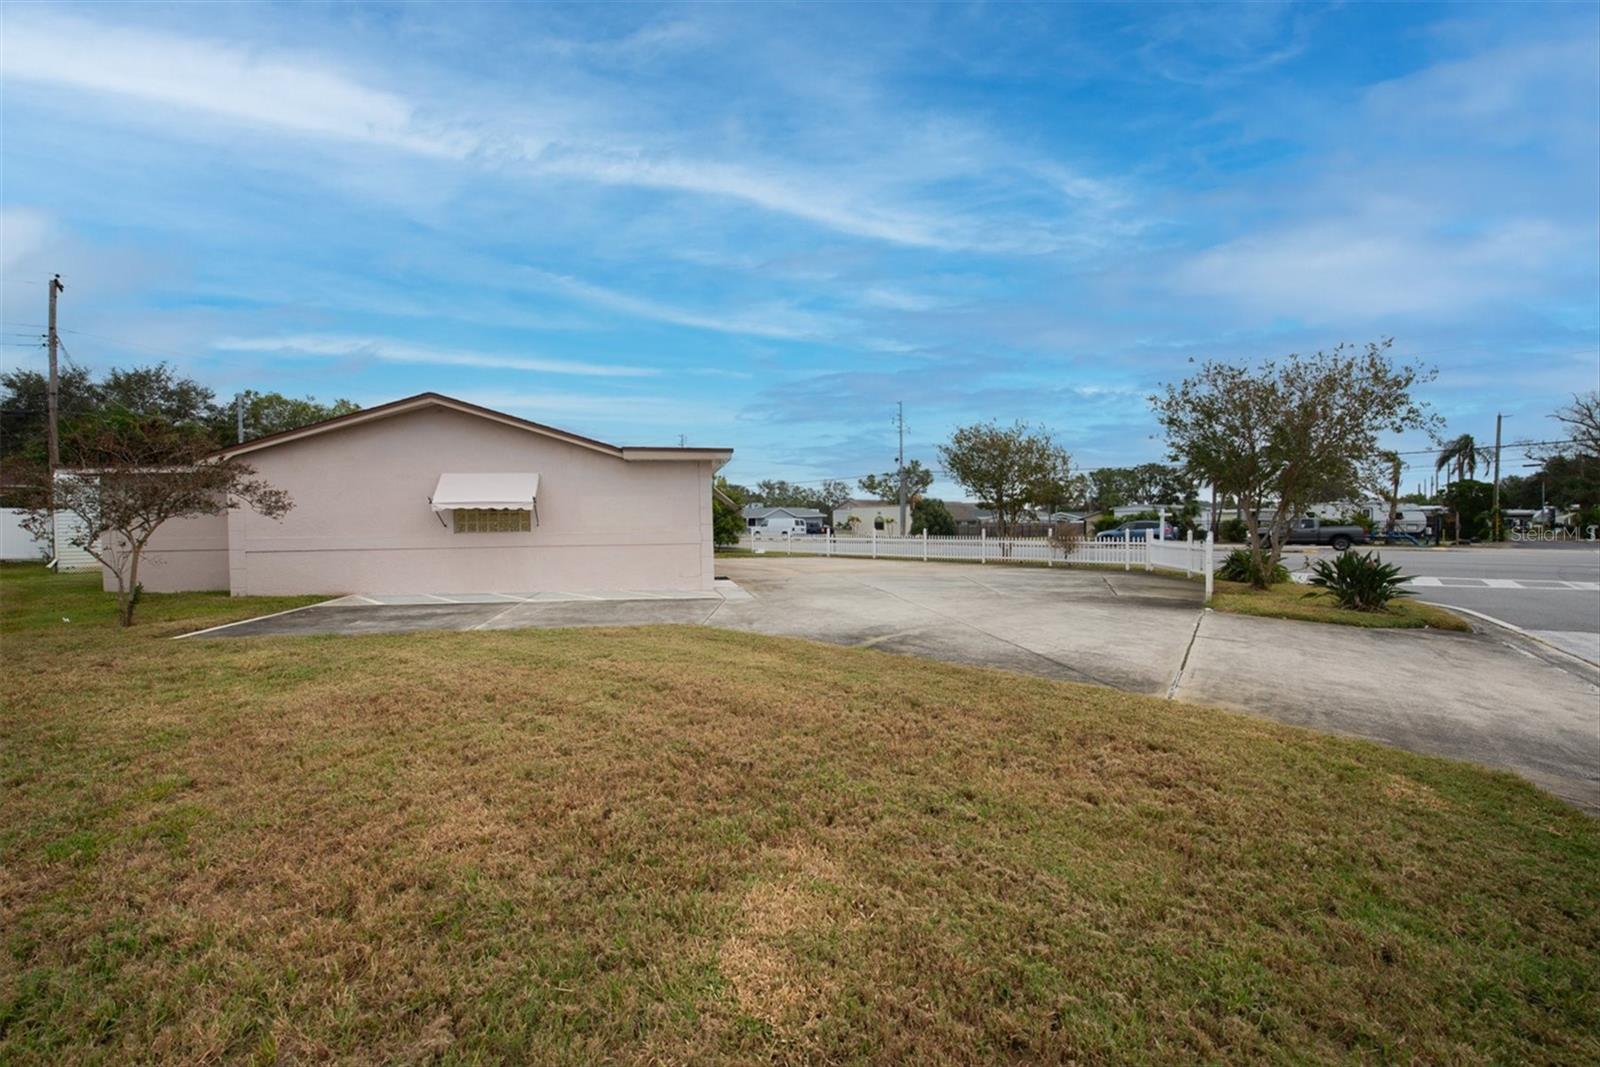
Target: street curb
column 1520, row 632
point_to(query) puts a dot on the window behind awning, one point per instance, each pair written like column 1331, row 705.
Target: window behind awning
column 519, row 489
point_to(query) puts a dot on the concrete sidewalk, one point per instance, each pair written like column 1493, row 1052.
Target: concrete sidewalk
column 1486, row 697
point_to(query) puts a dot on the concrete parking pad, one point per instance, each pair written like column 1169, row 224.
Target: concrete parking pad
column 1488, row 697
column 1123, row 629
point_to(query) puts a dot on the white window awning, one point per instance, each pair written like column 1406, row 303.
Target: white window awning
column 510, row 489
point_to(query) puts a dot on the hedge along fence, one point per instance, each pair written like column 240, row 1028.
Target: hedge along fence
column 1189, row 555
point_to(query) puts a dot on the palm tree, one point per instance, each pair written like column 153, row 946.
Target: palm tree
column 1463, row 454
column 1397, row 468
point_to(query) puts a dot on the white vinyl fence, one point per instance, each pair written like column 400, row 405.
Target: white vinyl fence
column 1189, row 556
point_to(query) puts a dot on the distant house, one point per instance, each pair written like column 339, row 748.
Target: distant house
column 763, row 521
column 865, row 515
column 967, row 513
column 858, row 516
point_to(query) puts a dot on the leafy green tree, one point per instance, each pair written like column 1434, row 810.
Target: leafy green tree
column 25, row 404
column 1007, row 468
column 886, row 486
column 1472, row 502
column 1148, row 483
column 777, row 493
column 1289, row 432
column 931, row 515
column 833, row 495
column 1461, row 455
column 1562, row 482
column 270, row 413
column 727, row 517
column 156, row 391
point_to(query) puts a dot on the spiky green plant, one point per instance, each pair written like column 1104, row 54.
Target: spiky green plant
column 1239, row 566
column 1358, row 581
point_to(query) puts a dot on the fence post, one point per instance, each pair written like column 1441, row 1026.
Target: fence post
column 1188, row 553
column 983, row 545
column 1149, row 561
column 830, row 544
column 924, row 544
column 1211, row 569
column 1127, row 549
column 874, row 542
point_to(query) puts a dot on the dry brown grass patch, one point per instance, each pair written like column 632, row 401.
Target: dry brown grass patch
column 673, row 845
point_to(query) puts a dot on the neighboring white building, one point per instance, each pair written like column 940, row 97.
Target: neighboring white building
column 884, row 517
column 17, row 543
column 861, row 516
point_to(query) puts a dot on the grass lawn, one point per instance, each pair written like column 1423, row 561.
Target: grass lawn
column 683, row 845
column 1288, row 600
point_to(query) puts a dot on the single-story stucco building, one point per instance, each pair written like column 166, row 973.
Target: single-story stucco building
column 435, row 495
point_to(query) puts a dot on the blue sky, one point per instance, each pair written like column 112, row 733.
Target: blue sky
column 762, row 225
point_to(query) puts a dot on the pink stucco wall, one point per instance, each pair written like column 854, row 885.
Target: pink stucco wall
column 183, row 555
column 362, row 523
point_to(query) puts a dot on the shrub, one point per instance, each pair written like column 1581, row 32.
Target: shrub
column 1361, row 519
column 1067, row 536
column 1240, row 566
column 1358, row 581
column 932, row 515
column 1234, row 531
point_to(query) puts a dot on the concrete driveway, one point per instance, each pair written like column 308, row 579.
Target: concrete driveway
column 1489, row 697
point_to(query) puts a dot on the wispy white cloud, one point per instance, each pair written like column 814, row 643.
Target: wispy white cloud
column 22, row 234
column 619, row 412
column 388, row 350
column 881, row 196
column 1365, row 268
column 803, row 196
column 237, row 84
column 775, row 321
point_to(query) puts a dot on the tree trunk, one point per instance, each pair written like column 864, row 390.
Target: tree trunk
column 126, row 600
column 1252, row 524
column 123, row 612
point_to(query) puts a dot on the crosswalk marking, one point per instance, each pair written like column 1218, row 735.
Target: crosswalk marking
column 1544, row 584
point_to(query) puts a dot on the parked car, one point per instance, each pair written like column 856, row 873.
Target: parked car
column 1313, row 531
column 1139, row 530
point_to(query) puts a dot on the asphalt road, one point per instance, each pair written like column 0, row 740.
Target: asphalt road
column 1525, row 586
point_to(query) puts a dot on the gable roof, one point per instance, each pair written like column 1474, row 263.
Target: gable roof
column 761, row 511
column 425, row 401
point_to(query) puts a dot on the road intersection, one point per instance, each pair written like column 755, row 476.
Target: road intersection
column 1551, row 591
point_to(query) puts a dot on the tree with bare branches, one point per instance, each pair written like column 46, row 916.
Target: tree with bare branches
column 139, row 472
column 1582, row 420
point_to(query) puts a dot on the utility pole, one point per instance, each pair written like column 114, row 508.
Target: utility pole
column 900, row 465
column 238, row 414
column 1495, row 507
column 55, row 382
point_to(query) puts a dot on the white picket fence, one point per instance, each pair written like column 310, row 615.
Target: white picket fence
column 1188, row 555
